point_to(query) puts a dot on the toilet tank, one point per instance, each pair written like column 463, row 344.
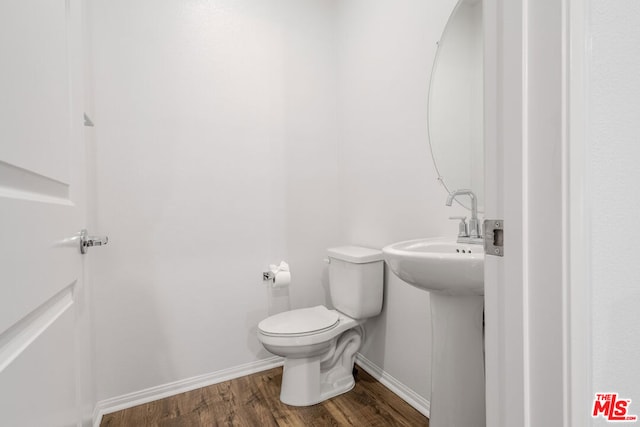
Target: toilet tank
column 356, row 277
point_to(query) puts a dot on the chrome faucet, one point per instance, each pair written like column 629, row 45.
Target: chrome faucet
column 475, row 234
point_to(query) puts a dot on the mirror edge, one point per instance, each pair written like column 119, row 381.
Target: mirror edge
column 439, row 43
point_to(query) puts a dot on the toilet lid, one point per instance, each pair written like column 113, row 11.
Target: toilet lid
column 303, row 321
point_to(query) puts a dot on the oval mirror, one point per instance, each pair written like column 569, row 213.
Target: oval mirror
column 455, row 109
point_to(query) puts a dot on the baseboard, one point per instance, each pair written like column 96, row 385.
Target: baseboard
column 130, row 400
column 160, row 392
column 421, row 404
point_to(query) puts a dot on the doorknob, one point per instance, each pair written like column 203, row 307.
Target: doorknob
column 87, row 241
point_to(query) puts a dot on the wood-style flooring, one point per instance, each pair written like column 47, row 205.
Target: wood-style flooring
column 253, row 401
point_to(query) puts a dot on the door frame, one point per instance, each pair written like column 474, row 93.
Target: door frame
column 505, row 317
column 578, row 350
column 537, row 297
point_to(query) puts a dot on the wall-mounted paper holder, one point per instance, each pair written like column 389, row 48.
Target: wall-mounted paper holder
column 268, row 276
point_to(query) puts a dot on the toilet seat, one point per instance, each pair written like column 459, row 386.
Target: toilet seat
column 300, row 322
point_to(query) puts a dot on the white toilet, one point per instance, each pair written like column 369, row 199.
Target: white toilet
column 320, row 345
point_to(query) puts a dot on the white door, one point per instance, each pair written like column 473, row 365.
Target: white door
column 43, row 318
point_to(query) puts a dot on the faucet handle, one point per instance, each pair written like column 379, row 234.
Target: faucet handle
column 462, row 227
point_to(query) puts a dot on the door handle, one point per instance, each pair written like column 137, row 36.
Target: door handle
column 87, row 241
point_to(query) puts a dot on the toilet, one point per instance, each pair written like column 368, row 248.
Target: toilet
column 319, row 345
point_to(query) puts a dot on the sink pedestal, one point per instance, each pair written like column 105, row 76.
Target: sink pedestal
column 453, row 274
column 457, row 363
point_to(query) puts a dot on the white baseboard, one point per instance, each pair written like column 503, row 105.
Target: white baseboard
column 421, row 404
column 130, row 400
column 160, row 392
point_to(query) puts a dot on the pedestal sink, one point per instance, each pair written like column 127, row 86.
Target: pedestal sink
column 453, row 273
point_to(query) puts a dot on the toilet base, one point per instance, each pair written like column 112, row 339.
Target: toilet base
column 310, row 380
column 303, row 383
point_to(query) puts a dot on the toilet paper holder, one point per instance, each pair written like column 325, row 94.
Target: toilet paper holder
column 277, row 275
column 268, row 276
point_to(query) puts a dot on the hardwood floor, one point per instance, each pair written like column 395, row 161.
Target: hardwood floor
column 253, row 401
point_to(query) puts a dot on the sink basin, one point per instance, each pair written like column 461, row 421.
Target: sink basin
column 438, row 265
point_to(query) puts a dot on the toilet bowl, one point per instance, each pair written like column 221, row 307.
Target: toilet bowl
column 319, row 345
column 318, row 358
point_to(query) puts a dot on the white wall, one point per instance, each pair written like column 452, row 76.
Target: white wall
column 311, row 183
column 390, row 190
column 230, row 135
column 215, row 156
column 613, row 197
